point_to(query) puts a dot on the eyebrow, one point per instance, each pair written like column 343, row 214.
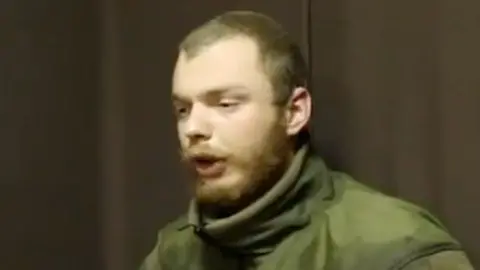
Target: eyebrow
column 215, row 92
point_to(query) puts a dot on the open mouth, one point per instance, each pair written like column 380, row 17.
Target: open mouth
column 205, row 161
column 208, row 166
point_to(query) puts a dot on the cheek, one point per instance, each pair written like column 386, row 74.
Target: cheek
column 182, row 139
column 244, row 136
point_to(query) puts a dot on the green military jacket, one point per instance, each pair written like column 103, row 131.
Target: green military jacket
column 313, row 218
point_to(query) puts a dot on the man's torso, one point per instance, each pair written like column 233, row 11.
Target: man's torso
column 350, row 227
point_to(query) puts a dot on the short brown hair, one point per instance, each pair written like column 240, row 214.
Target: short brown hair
column 281, row 57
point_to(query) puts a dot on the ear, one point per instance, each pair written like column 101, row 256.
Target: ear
column 298, row 111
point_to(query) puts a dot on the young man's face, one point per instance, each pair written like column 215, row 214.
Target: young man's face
column 230, row 132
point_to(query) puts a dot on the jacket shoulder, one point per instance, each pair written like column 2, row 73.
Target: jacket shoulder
column 360, row 211
column 379, row 231
column 171, row 240
column 174, row 233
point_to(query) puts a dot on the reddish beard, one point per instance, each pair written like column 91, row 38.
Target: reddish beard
column 259, row 173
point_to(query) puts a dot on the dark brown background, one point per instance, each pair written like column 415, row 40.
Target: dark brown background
column 87, row 149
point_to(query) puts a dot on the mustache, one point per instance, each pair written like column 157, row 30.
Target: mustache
column 203, row 152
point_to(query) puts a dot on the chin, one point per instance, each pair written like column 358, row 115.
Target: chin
column 221, row 191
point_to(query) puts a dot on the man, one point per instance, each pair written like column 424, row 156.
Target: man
column 263, row 198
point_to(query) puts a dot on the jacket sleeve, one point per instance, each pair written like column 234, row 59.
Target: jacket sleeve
column 446, row 260
column 152, row 261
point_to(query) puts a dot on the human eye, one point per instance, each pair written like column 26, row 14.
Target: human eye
column 228, row 105
column 181, row 110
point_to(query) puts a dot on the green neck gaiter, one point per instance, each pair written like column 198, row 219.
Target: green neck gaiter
column 260, row 226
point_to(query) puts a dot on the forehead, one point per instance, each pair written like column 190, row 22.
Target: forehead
column 234, row 61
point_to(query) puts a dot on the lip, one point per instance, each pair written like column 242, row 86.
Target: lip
column 210, row 169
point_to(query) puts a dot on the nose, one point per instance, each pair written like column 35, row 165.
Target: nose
column 197, row 126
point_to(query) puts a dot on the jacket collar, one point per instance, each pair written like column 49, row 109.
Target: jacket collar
column 263, row 224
